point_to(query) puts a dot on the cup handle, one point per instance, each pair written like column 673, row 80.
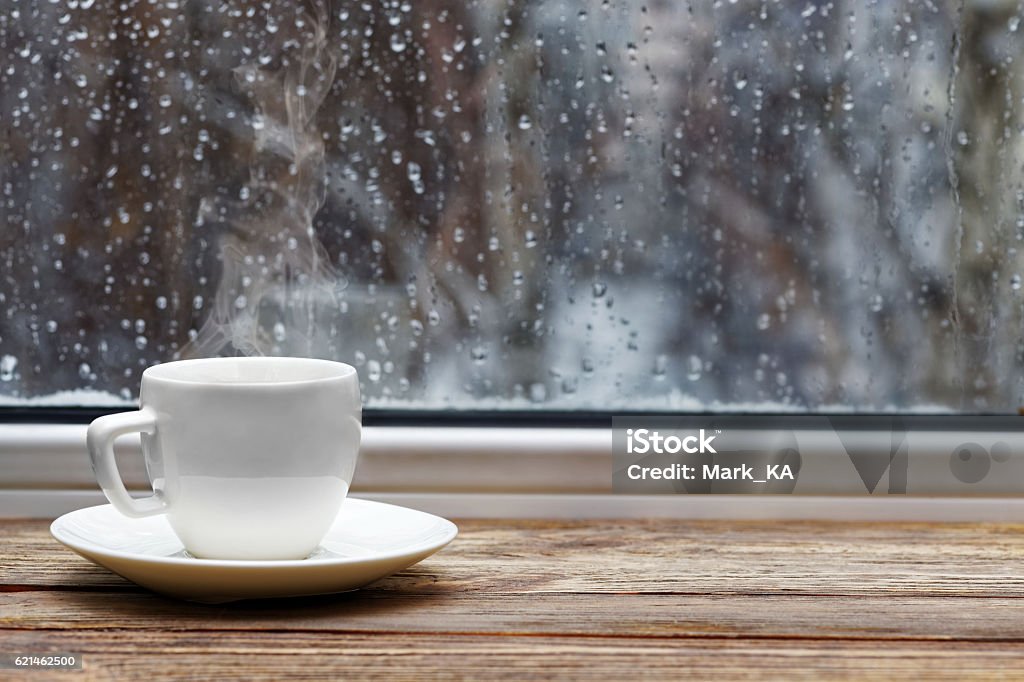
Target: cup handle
column 100, row 441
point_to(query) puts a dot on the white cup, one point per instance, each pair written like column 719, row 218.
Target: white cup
column 250, row 458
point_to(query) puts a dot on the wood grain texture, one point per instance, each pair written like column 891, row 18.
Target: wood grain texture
column 643, row 599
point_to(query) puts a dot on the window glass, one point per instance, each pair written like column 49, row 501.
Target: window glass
column 495, row 204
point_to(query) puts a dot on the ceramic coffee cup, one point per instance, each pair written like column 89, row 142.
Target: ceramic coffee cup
column 250, row 458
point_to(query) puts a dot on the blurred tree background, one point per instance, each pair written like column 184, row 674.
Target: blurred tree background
column 487, row 203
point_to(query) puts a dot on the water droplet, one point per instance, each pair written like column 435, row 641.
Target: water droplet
column 525, row 123
column 1015, row 282
column 161, row 302
column 538, row 392
column 764, row 321
column 280, row 333
column 164, row 101
column 599, row 289
column 694, row 368
column 397, row 43
column 660, row 367
column 8, row 363
column 84, row 371
column 479, row 355
column 373, row 371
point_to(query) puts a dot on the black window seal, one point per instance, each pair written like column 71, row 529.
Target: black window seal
column 542, row 418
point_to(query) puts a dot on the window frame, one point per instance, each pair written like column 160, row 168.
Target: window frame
column 498, row 464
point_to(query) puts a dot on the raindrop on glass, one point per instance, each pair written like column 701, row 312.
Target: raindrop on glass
column 538, row 392
column 479, row 355
column 8, row 363
column 694, row 368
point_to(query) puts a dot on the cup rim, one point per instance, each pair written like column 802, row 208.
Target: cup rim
column 177, row 371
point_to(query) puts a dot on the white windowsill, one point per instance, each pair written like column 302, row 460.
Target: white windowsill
column 508, row 472
column 391, row 459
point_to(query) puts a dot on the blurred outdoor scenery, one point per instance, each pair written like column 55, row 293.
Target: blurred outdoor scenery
column 639, row 204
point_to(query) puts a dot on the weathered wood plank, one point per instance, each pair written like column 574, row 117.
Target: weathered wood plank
column 886, row 618
column 526, row 557
column 615, row 599
column 274, row 656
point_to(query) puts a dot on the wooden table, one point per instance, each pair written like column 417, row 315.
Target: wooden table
column 615, row 599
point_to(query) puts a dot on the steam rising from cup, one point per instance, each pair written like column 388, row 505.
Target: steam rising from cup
column 277, row 284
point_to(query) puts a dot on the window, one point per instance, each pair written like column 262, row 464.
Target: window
column 494, row 204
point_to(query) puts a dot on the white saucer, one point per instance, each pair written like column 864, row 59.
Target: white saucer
column 368, row 541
